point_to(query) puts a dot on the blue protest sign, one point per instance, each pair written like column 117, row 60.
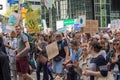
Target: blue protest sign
column 77, row 27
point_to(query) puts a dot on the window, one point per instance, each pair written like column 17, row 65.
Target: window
column 97, row 1
column 97, row 9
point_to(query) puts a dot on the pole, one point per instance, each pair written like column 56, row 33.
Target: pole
column 50, row 18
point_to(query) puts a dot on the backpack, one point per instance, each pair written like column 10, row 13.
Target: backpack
column 59, row 58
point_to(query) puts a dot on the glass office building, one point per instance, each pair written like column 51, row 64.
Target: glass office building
column 71, row 9
column 115, row 9
column 102, row 10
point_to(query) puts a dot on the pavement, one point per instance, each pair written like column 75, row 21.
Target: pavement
column 34, row 76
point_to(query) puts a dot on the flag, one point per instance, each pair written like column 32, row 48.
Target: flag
column 48, row 3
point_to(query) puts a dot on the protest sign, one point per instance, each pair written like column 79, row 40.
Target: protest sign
column 52, row 50
column 82, row 20
column 14, row 19
column 32, row 23
column 115, row 24
column 91, row 26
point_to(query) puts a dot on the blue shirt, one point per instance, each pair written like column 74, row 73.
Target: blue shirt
column 75, row 56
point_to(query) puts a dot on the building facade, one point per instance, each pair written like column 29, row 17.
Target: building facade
column 35, row 4
column 102, row 10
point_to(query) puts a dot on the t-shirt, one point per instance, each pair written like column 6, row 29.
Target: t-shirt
column 61, row 44
column 116, row 66
column 21, row 40
column 13, row 44
column 75, row 56
column 43, row 45
column 98, row 64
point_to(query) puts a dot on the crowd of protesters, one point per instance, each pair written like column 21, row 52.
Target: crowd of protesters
column 82, row 56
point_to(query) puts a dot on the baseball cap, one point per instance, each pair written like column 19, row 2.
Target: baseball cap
column 110, row 41
column 96, row 36
column 106, row 36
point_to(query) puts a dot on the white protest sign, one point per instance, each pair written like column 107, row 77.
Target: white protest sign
column 82, row 20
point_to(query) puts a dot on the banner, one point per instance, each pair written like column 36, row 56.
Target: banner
column 52, row 50
column 32, row 23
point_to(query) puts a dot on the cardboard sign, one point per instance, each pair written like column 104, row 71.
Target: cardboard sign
column 91, row 26
column 52, row 50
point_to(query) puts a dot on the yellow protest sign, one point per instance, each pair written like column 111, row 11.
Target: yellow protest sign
column 32, row 23
column 24, row 11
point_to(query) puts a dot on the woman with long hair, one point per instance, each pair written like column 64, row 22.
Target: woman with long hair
column 83, row 61
column 115, row 66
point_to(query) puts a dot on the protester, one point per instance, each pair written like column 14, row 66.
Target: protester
column 84, row 60
column 22, row 59
column 116, row 59
column 12, row 53
column 4, row 63
column 98, row 65
column 63, row 55
column 75, row 53
column 96, row 37
column 42, row 51
column 117, row 35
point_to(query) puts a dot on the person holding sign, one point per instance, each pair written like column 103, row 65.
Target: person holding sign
column 63, row 55
column 42, row 59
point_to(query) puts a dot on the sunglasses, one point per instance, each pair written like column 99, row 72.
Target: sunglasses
column 116, row 44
